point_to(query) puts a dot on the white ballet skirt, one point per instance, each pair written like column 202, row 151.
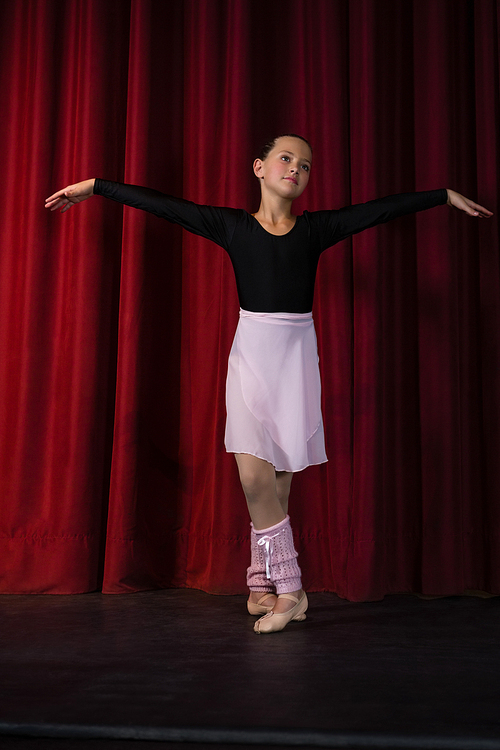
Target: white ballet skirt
column 273, row 391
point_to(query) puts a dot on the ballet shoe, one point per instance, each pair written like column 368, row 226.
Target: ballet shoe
column 259, row 608
column 273, row 623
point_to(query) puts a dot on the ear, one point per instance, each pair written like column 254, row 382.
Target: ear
column 257, row 168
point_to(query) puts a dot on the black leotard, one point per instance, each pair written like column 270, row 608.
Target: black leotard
column 273, row 273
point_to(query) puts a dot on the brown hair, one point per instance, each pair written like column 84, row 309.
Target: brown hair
column 264, row 152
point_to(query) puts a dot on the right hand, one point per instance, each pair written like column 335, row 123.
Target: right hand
column 70, row 196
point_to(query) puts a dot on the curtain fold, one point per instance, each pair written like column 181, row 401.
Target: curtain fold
column 115, row 327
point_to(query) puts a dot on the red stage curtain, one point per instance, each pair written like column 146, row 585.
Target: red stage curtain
column 115, row 327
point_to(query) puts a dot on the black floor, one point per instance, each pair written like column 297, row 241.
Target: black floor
column 184, row 669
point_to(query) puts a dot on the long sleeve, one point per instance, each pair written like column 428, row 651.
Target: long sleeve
column 337, row 225
column 213, row 223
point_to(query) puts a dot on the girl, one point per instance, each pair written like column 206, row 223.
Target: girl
column 274, row 424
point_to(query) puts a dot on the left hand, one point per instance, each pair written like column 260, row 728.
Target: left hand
column 464, row 204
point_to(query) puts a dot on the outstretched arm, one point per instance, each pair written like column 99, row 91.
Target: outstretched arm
column 464, row 204
column 70, row 196
column 353, row 219
column 216, row 224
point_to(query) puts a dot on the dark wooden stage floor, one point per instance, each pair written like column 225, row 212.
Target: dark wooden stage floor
column 180, row 668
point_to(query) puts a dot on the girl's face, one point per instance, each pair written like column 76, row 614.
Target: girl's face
column 285, row 170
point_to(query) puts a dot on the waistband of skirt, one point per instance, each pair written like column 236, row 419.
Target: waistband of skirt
column 277, row 317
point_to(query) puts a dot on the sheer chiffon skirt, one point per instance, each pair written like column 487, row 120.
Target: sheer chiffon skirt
column 273, row 391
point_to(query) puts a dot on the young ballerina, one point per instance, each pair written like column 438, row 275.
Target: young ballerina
column 274, row 423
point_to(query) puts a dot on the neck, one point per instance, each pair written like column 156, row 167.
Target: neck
column 274, row 210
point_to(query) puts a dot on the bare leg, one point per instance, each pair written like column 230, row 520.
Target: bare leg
column 283, row 483
column 258, row 479
column 260, row 484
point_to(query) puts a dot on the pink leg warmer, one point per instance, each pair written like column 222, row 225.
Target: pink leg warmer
column 280, row 558
column 256, row 573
